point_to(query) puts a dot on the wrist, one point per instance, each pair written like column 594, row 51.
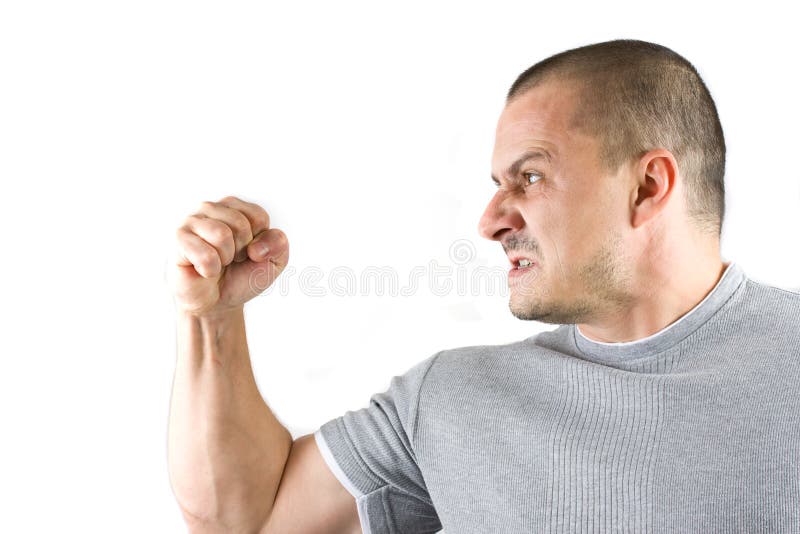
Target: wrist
column 213, row 316
column 217, row 336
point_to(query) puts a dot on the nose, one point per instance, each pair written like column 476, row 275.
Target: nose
column 500, row 217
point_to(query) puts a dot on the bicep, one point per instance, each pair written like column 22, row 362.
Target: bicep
column 310, row 499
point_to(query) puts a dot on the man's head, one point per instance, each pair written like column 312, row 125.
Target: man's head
column 626, row 170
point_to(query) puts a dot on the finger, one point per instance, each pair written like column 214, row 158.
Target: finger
column 276, row 243
column 236, row 220
column 257, row 275
column 194, row 251
column 258, row 216
column 214, row 232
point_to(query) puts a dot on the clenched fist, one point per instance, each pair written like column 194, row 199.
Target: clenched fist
column 226, row 254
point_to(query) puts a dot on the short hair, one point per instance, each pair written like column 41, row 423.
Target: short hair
column 635, row 96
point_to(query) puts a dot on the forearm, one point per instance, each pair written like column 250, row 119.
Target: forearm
column 226, row 449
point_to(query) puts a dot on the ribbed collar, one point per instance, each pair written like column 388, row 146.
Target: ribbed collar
column 671, row 334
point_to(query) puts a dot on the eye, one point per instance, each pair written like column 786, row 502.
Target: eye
column 530, row 174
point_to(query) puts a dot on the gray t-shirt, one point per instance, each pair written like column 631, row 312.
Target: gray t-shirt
column 693, row 429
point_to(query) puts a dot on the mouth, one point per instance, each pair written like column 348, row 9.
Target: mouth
column 520, row 267
column 520, row 263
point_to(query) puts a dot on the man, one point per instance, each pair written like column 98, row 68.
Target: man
column 665, row 401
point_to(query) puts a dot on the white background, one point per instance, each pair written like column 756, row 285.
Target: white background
column 366, row 132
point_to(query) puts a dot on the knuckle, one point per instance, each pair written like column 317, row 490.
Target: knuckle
column 229, row 198
column 193, row 220
column 262, row 218
column 183, row 235
column 220, row 232
column 209, row 260
column 207, row 205
column 241, row 224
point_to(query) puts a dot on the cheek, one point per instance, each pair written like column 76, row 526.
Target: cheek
column 551, row 225
column 569, row 227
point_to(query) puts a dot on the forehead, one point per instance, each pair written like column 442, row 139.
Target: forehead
column 539, row 117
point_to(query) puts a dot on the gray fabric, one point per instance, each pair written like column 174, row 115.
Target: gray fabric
column 693, row 429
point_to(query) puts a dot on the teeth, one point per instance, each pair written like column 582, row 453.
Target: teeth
column 524, row 263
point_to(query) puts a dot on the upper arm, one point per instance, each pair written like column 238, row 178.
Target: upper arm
column 310, row 499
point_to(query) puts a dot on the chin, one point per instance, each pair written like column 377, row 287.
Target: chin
column 537, row 309
column 529, row 315
column 527, row 310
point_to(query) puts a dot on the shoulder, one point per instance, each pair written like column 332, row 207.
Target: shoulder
column 770, row 304
column 476, row 357
column 763, row 319
column 763, row 287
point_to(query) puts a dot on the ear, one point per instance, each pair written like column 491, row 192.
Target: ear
column 655, row 179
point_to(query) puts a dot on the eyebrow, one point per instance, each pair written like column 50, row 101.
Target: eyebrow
column 529, row 155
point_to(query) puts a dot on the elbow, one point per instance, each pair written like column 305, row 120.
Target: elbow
column 199, row 525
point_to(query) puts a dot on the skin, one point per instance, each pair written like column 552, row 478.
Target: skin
column 615, row 252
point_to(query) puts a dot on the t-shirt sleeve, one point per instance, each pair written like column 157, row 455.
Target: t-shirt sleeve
column 371, row 452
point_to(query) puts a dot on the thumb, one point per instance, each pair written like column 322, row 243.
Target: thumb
column 250, row 278
column 269, row 244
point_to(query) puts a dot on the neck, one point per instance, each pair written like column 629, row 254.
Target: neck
column 671, row 292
